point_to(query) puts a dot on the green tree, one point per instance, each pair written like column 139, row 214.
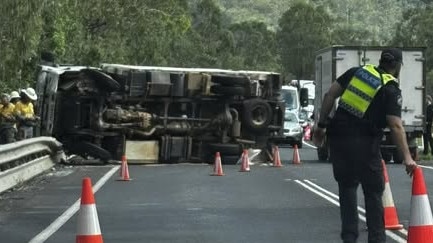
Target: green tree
column 255, row 47
column 20, row 28
column 211, row 40
column 303, row 29
column 412, row 31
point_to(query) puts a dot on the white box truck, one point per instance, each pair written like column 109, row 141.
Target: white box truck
column 333, row 61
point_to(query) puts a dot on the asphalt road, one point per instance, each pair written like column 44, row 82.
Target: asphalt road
column 183, row 203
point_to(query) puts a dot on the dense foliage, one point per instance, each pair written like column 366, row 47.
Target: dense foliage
column 271, row 35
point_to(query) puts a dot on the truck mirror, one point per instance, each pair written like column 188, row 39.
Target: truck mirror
column 303, row 96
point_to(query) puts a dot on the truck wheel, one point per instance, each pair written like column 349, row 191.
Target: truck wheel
column 225, row 148
column 323, row 152
column 414, row 153
column 89, row 149
column 227, row 90
column 257, row 115
column 230, row 80
column 103, row 80
column 397, row 157
column 230, row 159
column 229, row 152
column 386, row 155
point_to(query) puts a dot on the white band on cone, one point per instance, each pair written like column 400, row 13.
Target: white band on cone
column 387, row 199
column 88, row 222
column 420, row 211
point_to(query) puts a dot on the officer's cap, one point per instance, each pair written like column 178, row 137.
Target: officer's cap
column 391, row 55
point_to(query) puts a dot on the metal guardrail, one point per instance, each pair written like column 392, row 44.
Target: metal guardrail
column 23, row 160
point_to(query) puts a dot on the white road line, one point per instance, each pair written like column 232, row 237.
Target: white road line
column 331, row 199
column 309, row 145
column 360, row 209
column 62, row 219
column 426, row 167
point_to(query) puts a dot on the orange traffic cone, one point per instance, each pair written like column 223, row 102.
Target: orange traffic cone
column 421, row 219
column 390, row 212
column 296, row 157
column 245, row 165
column 276, row 154
column 88, row 230
column 124, row 171
column 123, row 159
column 218, row 169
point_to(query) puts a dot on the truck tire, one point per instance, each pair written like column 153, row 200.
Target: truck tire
column 89, row 149
column 323, row 152
column 103, row 80
column 386, row 155
column 225, row 148
column 229, row 152
column 257, row 115
column 414, row 153
column 397, row 157
column 227, row 90
column 230, row 159
column 230, row 80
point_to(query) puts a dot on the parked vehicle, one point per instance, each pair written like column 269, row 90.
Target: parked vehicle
column 334, row 61
column 160, row 114
column 293, row 131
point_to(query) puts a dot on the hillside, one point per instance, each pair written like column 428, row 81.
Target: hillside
column 350, row 12
column 267, row 11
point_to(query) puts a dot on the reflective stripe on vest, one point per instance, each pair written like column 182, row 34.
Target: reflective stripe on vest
column 362, row 88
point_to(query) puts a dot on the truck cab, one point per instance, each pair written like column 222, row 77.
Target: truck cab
column 291, row 98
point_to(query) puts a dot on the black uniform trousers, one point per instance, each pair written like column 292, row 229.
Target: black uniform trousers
column 428, row 139
column 356, row 159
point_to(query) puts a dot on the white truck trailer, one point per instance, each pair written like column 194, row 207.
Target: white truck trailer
column 333, row 61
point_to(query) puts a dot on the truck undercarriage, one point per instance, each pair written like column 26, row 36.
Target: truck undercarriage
column 165, row 115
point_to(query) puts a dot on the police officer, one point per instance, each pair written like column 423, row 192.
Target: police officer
column 427, row 136
column 370, row 100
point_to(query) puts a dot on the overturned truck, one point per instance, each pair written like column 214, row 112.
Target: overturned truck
column 160, row 114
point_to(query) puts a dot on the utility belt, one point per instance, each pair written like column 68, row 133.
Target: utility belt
column 359, row 128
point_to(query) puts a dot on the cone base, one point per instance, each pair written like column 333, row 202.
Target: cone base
column 216, row 174
column 420, row 234
column 244, row 170
column 394, row 227
column 121, row 179
column 89, row 238
column 277, row 166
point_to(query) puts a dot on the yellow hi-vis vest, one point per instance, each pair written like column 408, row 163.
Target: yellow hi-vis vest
column 362, row 88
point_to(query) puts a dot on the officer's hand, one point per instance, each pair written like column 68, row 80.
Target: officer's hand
column 318, row 136
column 411, row 165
